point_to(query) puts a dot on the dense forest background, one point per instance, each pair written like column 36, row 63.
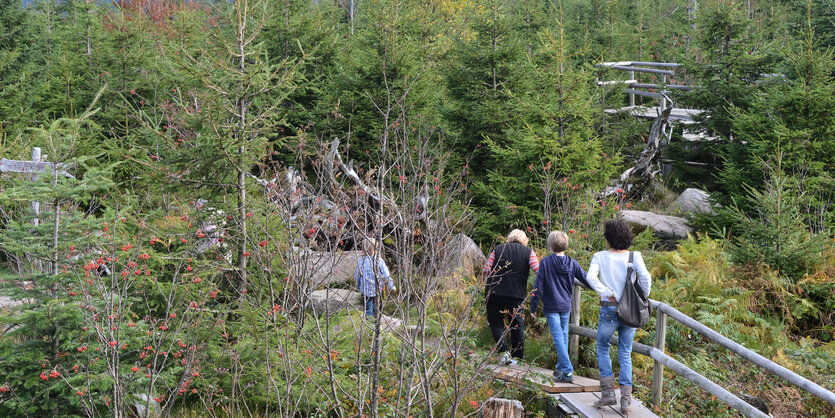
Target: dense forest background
column 200, row 142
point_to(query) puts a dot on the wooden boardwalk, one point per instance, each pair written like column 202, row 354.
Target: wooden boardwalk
column 581, row 404
column 525, row 375
column 680, row 115
column 577, row 397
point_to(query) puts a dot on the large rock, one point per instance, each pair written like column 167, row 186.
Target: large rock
column 332, row 300
column 665, row 227
column 462, row 258
column 8, row 302
column 692, row 201
column 146, row 407
column 324, row 269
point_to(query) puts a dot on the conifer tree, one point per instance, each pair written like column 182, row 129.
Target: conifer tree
column 773, row 231
column 555, row 133
column 42, row 242
column 389, row 57
column 732, row 67
column 16, row 67
column 488, row 72
column 792, row 117
column 217, row 120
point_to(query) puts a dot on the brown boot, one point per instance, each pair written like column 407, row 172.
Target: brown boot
column 625, row 399
column 607, row 395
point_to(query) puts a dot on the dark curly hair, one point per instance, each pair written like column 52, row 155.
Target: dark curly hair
column 617, row 234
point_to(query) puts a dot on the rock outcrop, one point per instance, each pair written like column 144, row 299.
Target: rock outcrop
column 692, row 201
column 462, row 258
column 665, row 227
column 324, row 269
column 332, row 300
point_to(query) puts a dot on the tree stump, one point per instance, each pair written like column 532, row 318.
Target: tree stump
column 501, row 408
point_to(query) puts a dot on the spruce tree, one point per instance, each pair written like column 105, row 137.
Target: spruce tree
column 217, row 120
column 488, row 72
column 793, row 117
column 554, row 135
column 16, row 66
column 731, row 69
column 65, row 226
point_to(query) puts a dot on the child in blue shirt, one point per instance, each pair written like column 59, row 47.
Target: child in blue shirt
column 553, row 285
column 369, row 268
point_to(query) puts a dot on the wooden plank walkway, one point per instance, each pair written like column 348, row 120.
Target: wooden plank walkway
column 680, row 115
column 581, row 404
column 524, row 375
column 578, row 396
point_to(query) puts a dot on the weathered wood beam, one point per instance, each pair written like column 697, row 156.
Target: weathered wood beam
column 721, row 393
column 657, row 366
column 644, row 93
column 745, row 353
column 574, row 319
column 642, row 70
column 613, row 63
column 611, row 82
column 657, row 64
column 641, row 63
column 31, row 167
column 637, row 85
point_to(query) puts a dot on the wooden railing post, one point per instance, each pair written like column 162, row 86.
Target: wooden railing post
column 632, row 96
column 574, row 319
column 657, row 367
column 36, row 206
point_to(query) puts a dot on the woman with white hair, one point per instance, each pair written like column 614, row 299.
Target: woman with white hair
column 505, row 290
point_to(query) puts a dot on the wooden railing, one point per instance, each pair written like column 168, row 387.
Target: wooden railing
column 661, row 359
column 632, row 67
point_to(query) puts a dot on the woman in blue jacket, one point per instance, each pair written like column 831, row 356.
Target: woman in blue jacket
column 554, row 283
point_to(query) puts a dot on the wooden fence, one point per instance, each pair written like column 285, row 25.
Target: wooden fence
column 661, row 359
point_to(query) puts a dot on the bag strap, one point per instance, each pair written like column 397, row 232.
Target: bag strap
column 630, row 267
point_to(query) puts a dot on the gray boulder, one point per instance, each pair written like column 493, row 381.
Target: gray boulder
column 462, row 258
column 8, row 302
column 665, row 227
column 692, row 201
column 332, row 300
column 324, row 269
column 146, row 407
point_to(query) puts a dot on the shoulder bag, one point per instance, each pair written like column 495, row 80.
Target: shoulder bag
column 633, row 307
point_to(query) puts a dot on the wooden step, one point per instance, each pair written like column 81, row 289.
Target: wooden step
column 525, row 375
column 581, row 404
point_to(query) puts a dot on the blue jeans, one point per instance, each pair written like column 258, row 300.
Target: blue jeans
column 558, row 324
column 606, row 326
column 369, row 302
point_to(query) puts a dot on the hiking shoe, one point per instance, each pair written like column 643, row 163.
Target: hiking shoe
column 507, row 360
column 564, row 377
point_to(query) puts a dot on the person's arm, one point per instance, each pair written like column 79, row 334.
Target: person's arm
column 358, row 274
column 488, row 265
column 384, row 272
column 643, row 273
column 536, row 293
column 580, row 275
column 533, row 262
column 602, row 290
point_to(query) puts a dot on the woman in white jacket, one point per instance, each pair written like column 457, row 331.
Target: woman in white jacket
column 610, row 266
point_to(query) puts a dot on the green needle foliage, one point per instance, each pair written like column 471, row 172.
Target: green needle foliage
column 776, row 233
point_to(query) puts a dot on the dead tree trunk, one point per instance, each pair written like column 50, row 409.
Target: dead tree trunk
column 635, row 180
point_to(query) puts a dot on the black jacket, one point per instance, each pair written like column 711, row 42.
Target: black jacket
column 509, row 276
